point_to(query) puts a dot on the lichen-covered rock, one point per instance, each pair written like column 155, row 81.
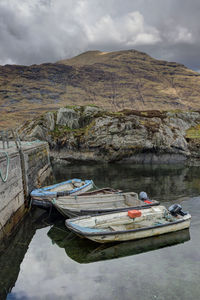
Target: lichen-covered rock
column 38, row 133
column 181, row 145
column 50, row 121
column 90, row 111
column 68, row 117
column 147, row 137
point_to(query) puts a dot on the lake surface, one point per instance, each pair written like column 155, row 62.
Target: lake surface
column 46, row 261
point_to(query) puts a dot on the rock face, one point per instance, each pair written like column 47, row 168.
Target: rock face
column 113, row 80
column 68, row 117
column 50, row 122
column 92, row 134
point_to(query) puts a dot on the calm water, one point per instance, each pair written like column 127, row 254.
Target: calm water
column 45, row 261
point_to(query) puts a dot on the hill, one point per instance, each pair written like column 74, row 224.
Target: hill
column 112, row 80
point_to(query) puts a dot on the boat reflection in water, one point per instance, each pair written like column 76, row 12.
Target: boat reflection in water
column 85, row 251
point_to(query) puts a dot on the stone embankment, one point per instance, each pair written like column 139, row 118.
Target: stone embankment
column 26, row 169
column 88, row 133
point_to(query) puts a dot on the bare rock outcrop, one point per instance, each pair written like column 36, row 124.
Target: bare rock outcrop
column 93, row 134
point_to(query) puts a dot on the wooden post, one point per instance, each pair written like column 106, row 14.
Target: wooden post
column 24, row 181
column 15, row 140
column 22, row 160
column 7, row 139
column 3, row 138
column 18, row 139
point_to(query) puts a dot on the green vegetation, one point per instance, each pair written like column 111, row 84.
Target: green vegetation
column 193, row 132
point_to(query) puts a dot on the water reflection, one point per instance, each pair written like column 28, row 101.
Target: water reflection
column 32, row 267
column 13, row 250
column 84, row 251
column 162, row 182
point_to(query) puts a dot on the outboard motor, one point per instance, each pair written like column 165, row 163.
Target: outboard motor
column 176, row 209
column 143, row 196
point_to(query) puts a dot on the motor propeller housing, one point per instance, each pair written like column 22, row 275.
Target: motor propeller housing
column 143, row 196
column 176, row 209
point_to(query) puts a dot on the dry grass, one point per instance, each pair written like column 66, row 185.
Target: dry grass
column 116, row 81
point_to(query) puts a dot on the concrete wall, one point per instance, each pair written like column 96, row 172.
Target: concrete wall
column 11, row 192
column 26, row 171
column 36, row 163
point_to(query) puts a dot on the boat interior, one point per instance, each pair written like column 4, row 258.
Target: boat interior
column 122, row 222
column 67, row 186
column 118, row 200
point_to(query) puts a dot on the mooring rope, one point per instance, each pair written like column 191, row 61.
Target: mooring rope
column 95, row 186
column 4, row 179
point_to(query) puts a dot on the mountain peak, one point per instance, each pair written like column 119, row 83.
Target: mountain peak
column 96, row 56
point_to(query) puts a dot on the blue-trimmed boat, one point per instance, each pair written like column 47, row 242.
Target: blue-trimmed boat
column 42, row 197
column 132, row 225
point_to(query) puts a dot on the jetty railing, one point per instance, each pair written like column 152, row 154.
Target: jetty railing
column 8, row 137
column 4, row 138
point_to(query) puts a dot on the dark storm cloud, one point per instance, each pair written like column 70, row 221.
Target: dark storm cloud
column 48, row 30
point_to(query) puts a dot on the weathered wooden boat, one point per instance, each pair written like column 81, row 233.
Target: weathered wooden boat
column 86, row 251
column 43, row 196
column 99, row 201
column 131, row 225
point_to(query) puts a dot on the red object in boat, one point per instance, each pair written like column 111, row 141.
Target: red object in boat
column 134, row 213
column 147, row 201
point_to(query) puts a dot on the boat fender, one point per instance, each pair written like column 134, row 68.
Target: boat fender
column 176, row 209
column 134, row 213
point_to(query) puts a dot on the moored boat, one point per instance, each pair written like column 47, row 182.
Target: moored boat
column 100, row 201
column 131, row 225
column 43, row 196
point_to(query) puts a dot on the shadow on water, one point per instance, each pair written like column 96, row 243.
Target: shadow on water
column 85, row 251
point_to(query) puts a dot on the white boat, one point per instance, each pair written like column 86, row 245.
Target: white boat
column 43, row 196
column 99, row 201
column 131, row 225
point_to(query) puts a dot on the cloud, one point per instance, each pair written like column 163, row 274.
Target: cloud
column 49, row 30
column 183, row 35
column 127, row 30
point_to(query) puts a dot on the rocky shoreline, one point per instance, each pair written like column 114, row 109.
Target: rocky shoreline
column 91, row 134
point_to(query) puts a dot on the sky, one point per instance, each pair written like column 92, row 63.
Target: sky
column 39, row 31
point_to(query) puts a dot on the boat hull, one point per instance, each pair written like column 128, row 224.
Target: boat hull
column 126, row 236
column 76, row 213
column 119, row 227
column 43, row 197
column 71, row 206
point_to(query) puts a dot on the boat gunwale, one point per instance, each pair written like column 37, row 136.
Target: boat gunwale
column 101, row 196
column 104, row 211
column 99, row 233
column 45, row 190
column 73, row 213
column 105, row 190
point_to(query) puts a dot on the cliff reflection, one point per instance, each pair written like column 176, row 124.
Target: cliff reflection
column 161, row 182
